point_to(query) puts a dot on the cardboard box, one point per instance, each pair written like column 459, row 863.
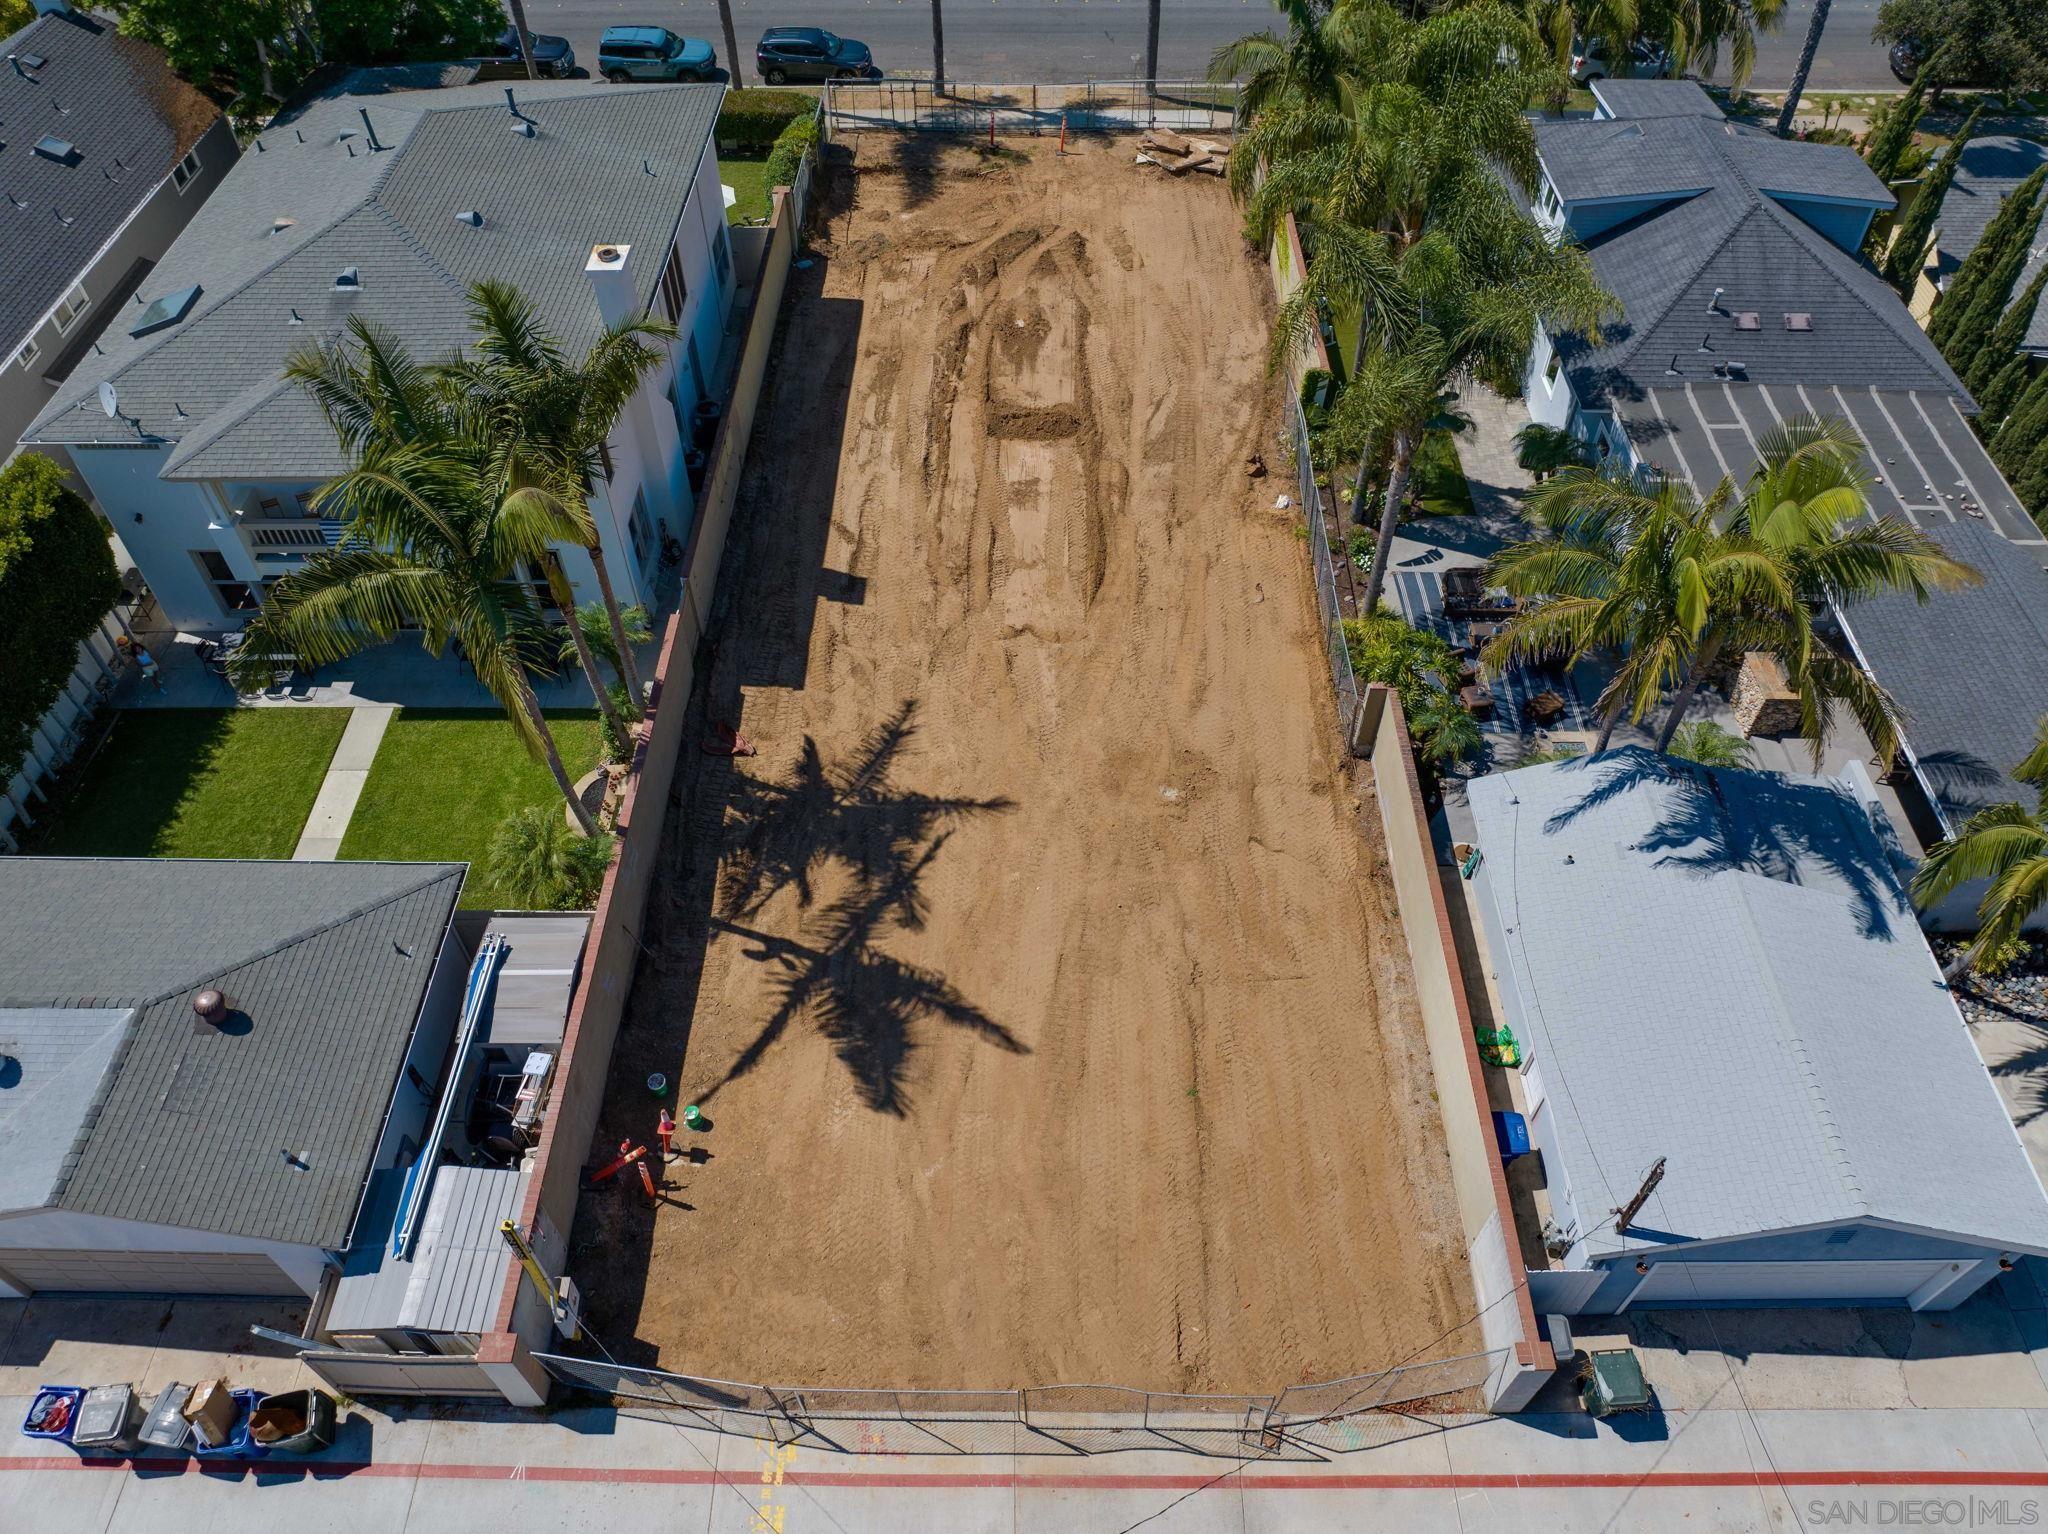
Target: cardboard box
column 211, row 1411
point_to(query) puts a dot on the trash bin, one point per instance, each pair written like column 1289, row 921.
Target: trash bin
column 239, row 1445
column 165, row 1426
column 52, row 1412
column 295, row 1422
column 108, row 1419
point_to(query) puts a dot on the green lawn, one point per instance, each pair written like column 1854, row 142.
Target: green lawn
column 748, row 176
column 444, row 780
column 199, row 783
column 1440, row 479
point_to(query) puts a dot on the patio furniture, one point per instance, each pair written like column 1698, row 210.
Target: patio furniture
column 1477, row 701
column 1545, row 707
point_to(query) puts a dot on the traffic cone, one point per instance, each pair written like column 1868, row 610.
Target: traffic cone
column 665, row 1131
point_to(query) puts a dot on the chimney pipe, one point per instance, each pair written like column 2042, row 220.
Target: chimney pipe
column 368, row 129
column 609, row 270
column 512, row 101
column 1714, row 303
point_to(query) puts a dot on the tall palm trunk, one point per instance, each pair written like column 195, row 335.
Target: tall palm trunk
column 1390, row 518
column 565, row 599
column 518, row 11
column 939, row 46
column 1702, row 663
column 732, row 43
column 1608, row 721
column 530, row 706
column 628, row 671
column 1813, row 31
column 1152, row 47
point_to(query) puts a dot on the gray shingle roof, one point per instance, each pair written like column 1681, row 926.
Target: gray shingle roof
column 130, row 120
column 1970, row 668
column 1722, row 227
column 1720, row 968
column 54, row 1062
column 1654, row 98
column 606, row 163
column 325, row 966
column 1990, row 168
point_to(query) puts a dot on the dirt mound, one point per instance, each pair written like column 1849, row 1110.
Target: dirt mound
column 1047, row 1004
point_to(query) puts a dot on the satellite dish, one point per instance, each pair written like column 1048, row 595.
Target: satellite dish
column 109, row 400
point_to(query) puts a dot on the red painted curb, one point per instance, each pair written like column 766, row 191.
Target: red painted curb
column 857, row 1480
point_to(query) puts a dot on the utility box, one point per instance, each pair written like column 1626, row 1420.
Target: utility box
column 1612, row 1381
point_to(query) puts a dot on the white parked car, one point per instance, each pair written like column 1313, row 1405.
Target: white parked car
column 1592, row 59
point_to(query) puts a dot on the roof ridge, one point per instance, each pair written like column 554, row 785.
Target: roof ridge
column 440, row 872
column 1639, row 333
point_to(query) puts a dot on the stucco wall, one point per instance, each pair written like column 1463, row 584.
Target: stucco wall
column 64, row 1228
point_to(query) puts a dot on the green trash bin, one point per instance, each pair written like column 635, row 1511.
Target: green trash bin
column 294, row 1422
column 1612, row 1381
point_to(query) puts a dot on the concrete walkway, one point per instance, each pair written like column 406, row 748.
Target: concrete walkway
column 320, row 842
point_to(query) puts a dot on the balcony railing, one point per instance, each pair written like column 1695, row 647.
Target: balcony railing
column 289, row 535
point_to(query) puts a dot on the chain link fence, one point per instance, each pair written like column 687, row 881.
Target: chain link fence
column 1050, row 1419
column 1315, row 510
column 1094, row 106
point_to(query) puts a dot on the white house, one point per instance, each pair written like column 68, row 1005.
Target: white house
column 595, row 200
column 106, row 157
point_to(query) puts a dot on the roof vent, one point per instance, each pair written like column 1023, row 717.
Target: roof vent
column 1748, row 319
column 60, row 150
column 347, row 280
column 523, row 128
column 279, row 224
column 1714, row 303
column 165, row 311
column 210, row 1006
column 471, row 217
column 1799, row 322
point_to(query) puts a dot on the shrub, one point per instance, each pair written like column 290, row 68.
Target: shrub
column 755, row 118
column 788, row 153
column 618, row 744
column 544, row 865
column 57, row 581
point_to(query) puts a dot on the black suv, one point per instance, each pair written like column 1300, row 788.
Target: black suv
column 811, row 53
column 552, row 56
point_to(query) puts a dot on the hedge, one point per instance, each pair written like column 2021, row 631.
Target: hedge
column 755, row 118
column 788, row 153
column 57, row 581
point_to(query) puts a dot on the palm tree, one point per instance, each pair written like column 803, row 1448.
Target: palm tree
column 1706, row 743
column 938, row 47
column 732, row 43
column 1152, row 47
column 543, row 865
column 1806, row 53
column 548, row 418
column 2007, row 845
column 595, row 623
column 517, row 12
column 433, row 539
column 1696, row 31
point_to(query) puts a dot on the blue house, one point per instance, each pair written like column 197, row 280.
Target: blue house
column 1718, row 971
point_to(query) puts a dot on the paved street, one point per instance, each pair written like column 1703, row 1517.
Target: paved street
column 1075, row 40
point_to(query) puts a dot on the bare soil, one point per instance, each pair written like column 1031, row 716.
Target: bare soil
column 1037, row 977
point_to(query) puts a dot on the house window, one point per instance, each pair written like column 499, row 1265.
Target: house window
column 28, row 354
column 70, row 307
column 721, row 255
column 642, row 531
column 183, row 172
column 1550, row 373
column 233, row 595
column 674, row 291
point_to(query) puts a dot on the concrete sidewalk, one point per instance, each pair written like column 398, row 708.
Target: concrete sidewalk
column 596, row 1470
column 335, row 805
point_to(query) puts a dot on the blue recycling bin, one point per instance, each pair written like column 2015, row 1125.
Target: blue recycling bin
column 1511, row 1134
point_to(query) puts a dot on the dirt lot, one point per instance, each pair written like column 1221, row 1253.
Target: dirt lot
column 1045, row 998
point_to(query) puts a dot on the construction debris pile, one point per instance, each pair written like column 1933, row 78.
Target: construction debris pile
column 1177, row 154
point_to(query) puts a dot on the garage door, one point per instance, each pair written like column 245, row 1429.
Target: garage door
column 59, row 1271
column 1850, row 1283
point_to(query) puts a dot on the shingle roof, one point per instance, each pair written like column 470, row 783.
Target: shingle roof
column 1719, row 968
column 606, row 163
column 54, row 1063
column 325, row 967
column 1721, row 227
column 1968, row 669
column 1989, row 170
column 130, row 120
column 1654, row 98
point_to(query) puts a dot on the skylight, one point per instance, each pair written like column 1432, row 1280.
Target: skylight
column 51, row 147
column 165, row 311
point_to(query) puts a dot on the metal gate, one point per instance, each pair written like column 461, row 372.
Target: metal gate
column 968, row 107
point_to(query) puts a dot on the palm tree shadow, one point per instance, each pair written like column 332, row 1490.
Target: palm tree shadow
column 865, row 1000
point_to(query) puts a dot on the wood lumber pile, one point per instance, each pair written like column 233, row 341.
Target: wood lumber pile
column 1177, row 154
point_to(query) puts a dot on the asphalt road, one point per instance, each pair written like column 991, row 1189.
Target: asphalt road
column 1073, row 40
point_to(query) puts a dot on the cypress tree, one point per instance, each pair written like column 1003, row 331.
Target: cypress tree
column 1996, row 399
column 1908, row 253
column 1970, row 339
column 2008, row 334
column 2014, row 441
column 2002, row 249
column 2032, row 486
column 1893, row 134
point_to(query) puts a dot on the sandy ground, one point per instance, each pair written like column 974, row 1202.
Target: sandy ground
column 1045, row 997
